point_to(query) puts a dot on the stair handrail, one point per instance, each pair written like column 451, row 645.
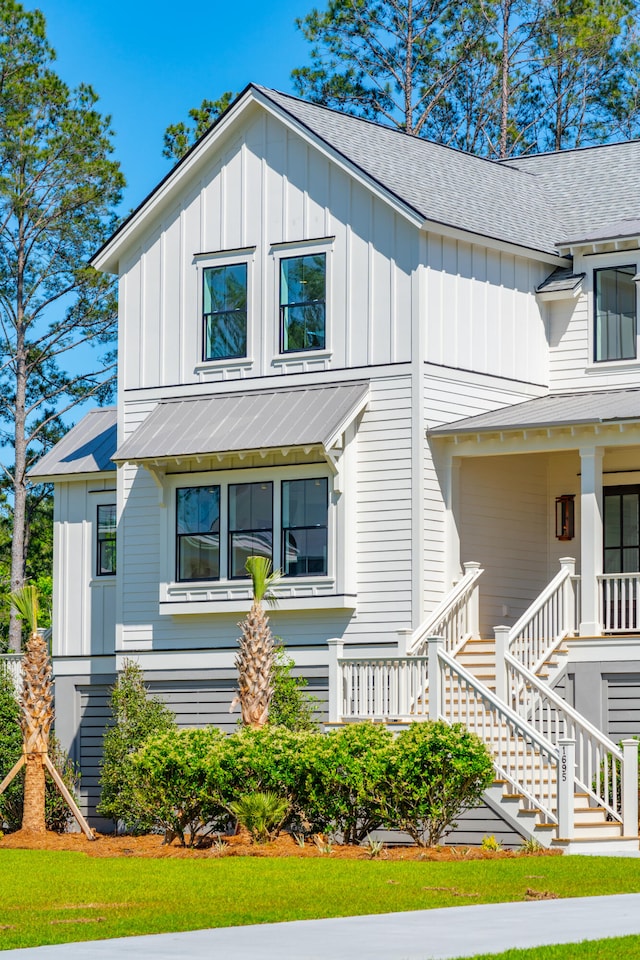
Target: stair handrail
column 600, row 765
column 507, row 767
column 460, row 603
column 555, row 608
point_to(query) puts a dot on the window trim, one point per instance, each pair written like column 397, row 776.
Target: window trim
column 607, row 266
column 100, row 540
column 224, row 258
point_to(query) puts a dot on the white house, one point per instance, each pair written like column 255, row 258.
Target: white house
column 408, row 375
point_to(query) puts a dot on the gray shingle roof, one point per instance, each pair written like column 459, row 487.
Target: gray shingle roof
column 86, row 448
column 439, row 183
column 589, row 188
column 261, row 419
column 554, row 410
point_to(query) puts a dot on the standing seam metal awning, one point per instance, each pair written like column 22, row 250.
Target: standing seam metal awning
column 233, row 422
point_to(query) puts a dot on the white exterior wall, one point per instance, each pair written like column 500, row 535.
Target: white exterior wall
column 84, row 609
column 449, row 396
column 571, row 334
column 481, row 312
column 264, row 188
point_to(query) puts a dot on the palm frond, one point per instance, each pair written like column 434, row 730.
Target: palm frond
column 26, row 603
column 263, row 579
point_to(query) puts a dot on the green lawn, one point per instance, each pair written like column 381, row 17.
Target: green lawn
column 74, row 897
column 622, row 948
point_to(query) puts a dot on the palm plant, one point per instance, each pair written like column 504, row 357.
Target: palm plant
column 36, row 703
column 255, row 659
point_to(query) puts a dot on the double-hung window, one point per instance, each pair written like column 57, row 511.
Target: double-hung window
column 615, row 314
column 198, row 533
column 304, row 527
column 106, row 541
column 224, row 302
column 250, row 524
column 303, row 302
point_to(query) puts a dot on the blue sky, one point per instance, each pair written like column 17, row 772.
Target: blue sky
column 151, row 61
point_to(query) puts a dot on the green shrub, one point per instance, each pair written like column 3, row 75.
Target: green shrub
column 179, row 784
column 262, row 814
column 437, row 771
column 10, row 750
column 266, row 760
column 57, row 814
column 345, row 780
column 137, row 716
column 290, row 706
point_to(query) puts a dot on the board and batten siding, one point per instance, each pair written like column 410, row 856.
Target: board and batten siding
column 84, row 605
column 383, row 543
column 450, row 396
column 481, row 311
column 265, row 188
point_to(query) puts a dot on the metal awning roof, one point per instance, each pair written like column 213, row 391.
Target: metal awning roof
column 256, row 420
column 86, row 448
column 566, row 409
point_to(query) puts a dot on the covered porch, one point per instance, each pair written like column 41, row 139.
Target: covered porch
column 550, row 484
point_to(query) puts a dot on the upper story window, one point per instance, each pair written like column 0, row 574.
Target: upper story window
column 106, row 541
column 224, row 304
column 303, row 302
column 615, row 313
column 198, row 533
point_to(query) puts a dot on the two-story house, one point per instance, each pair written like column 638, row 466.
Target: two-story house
column 405, row 374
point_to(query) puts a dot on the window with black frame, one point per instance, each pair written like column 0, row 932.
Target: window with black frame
column 106, row 542
column 304, row 527
column 198, row 533
column 250, row 524
column 615, row 314
column 302, row 303
column 225, row 311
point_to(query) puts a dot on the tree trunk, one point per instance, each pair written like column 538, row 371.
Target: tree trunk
column 20, row 469
column 408, row 72
column 505, row 77
column 33, row 819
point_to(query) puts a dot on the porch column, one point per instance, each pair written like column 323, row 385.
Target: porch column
column 451, row 495
column 591, row 539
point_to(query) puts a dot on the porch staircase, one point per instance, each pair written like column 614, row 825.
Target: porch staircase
column 559, row 780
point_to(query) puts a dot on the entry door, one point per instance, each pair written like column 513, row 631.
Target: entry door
column 621, row 555
column 622, row 529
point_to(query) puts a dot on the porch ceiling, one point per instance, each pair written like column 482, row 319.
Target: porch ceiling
column 555, row 410
column 256, row 420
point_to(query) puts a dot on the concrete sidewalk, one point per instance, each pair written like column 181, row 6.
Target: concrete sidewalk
column 420, row 935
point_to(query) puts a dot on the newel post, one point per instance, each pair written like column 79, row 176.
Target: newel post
column 566, row 781
column 568, row 594
column 630, row 788
column 434, row 645
column 473, row 605
column 336, row 692
column 502, row 646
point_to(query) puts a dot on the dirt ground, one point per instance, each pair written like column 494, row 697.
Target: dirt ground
column 153, row 845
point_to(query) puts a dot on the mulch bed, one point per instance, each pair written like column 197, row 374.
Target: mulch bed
column 153, row 846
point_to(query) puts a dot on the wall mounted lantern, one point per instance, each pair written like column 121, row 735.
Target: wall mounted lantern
column 565, row 516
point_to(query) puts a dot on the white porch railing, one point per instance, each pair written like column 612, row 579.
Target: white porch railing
column 599, row 763
column 551, row 617
column 12, row 662
column 620, row 602
column 383, row 687
column 456, row 618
